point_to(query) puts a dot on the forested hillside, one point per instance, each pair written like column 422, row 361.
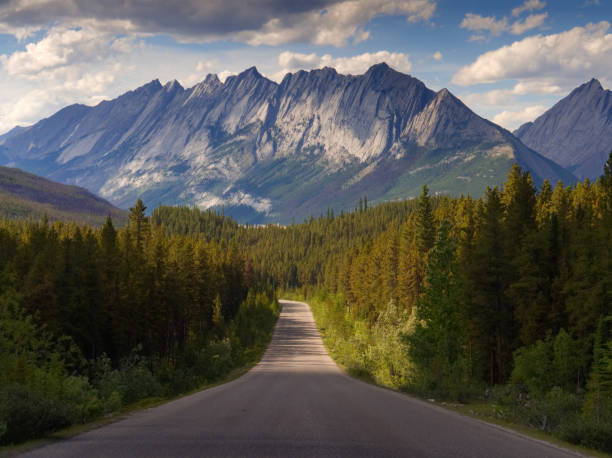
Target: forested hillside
column 504, row 300
column 92, row 320
column 507, row 298
column 27, row 196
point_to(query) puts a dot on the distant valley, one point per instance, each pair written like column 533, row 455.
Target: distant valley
column 27, row 196
column 266, row 152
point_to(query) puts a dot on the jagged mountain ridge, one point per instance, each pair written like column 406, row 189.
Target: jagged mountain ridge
column 318, row 139
column 576, row 132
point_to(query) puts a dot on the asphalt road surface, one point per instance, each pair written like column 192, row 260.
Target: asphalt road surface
column 297, row 402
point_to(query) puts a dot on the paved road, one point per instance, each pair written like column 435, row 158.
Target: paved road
column 297, row 402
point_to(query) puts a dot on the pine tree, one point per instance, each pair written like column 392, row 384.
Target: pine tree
column 598, row 399
column 491, row 308
column 437, row 345
column 138, row 223
column 425, row 230
column 218, row 318
column 544, row 205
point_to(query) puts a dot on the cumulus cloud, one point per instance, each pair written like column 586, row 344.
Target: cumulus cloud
column 21, row 33
column 271, row 22
column 63, row 47
column 476, row 22
column 513, row 119
column 291, row 62
column 437, row 55
column 531, row 22
column 529, row 5
column 64, row 66
column 494, row 26
column 497, row 98
column 24, row 108
column 566, row 55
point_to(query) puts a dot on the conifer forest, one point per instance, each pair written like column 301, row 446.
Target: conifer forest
column 504, row 301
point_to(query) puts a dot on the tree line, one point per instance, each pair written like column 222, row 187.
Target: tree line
column 455, row 297
column 95, row 319
column 504, row 298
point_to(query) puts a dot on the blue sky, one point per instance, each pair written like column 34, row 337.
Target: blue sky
column 509, row 61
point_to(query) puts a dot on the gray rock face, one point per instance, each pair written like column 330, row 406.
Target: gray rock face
column 576, row 132
column 317, row 140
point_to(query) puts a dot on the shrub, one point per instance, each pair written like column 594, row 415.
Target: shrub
column 588, row 432
column 26, row 413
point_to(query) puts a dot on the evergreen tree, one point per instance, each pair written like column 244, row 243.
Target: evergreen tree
column 425, row 229
column 491, row 308
column 138, row 223
column 598, row 401
column 437, row 345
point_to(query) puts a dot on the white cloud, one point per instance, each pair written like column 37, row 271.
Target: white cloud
column 225, row 74
column 63, row 47
column 437, row 55
column 336, row 24
column 91, row 83
column 479, row 23
column 537, row 86
column 288, row 59
column 529, row 5
column 64, row 66
column 531, row 22
column 354, row 65
column 513, row 119
column 21, row 33
column 566, row 55
column 509, row 98
column 24, row 108
column 476, row 22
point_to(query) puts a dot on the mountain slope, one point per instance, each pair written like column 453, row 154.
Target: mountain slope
column 576, row 132
column 273, row 152
column 23, row 195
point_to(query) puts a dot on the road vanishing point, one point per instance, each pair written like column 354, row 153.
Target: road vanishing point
column 297, row 403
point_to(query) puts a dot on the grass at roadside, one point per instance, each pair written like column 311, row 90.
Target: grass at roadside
column 345, row 355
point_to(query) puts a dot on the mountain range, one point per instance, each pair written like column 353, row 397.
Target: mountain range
column 274, row 152
column 576, row 132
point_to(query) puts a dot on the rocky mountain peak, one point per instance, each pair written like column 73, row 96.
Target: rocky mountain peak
column 250, row 74
column 207, row 86
column 151, row 85
column 212, row 80
column 576, row 132
column 172, row 86
column 380, row 69
column 444, row 94
column 593, row 85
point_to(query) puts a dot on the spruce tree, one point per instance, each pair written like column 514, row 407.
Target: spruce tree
column 425, row 230
column 138, row 223
column 437, row 345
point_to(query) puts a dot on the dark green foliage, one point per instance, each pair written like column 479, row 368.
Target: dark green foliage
column 93, row 320
column 425, row 230
column 437, row 344
column 26, row 412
